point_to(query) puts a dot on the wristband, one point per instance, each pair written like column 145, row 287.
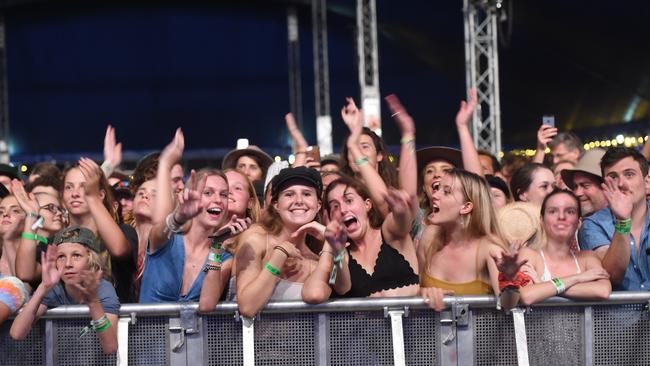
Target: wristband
column 274, row 271
column 361, row 161
column 99, row 326
column 172, row 224
column 103, row 327
column 32, row 236
column 407, row 140
column 623, row 227
column 559, row 285
column 282, row 250
column 214, row 257
column 31, row 214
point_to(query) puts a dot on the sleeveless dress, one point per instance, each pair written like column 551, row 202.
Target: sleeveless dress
column 475, row 287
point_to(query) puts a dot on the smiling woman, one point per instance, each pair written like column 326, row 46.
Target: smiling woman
column 273, row 259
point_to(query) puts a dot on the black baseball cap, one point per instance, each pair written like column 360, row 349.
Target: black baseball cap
column 308, row 176
column 79, row 235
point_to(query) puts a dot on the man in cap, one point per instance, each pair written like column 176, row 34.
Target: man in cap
column 619, row 233
column 585, row 181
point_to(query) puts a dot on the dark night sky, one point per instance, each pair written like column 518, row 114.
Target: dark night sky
column 220, row 71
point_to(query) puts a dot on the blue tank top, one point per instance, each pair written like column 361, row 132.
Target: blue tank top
column 162, row 280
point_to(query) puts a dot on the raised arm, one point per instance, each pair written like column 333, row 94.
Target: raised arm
column 353, row 118
column 317, row 287
column 27, row 268
column 617, row 256
column 300, row 145
column 544, row 135
column 112, row 236
column 24, row 321
column 471, row 160
column 112, row 152
column 189, row 205
column 170, row 155
column 408, row 166
column 397, row 225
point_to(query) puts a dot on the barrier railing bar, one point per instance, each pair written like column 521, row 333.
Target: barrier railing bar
column 50, row 343
column 321, row 338
column 588, row 335
column 343, row 305
column 397, row 333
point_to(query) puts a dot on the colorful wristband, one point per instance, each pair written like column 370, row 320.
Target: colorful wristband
column 274, row 271
column 361, row 161
column 32, row 236
column 560, row 287
column 623, row 227
column 521, row 279
column 214, row 257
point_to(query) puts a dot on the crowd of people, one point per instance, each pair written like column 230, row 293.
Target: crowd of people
column 440, row 222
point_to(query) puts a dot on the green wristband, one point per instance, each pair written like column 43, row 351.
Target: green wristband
column 361, row 161
column 274, row 271
column 103, row 327
column 32, row 236
column 623, row 227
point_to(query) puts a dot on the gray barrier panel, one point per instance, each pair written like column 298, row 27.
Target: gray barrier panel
column 149, row 341
column 72, row 350
column 30, row 351
column 224, row 340
column 621, row 335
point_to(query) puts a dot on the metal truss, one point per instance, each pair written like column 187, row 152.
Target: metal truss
column 4, row 99
column 368, row 63
column 295, row 83
column 482, row 71
column 321, row 76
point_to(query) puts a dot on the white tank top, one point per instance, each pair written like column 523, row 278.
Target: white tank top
column 546, row 276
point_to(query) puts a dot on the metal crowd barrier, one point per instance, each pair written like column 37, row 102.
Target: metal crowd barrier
column 391, row 331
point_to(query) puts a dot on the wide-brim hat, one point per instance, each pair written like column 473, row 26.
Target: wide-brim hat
column 330, row 159
column 519, row 221
column 426, row 155
column 588, row 164
column 230, row 160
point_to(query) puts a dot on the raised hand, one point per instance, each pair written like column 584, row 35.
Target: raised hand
column 87, row 284
column 50, row 275
column 336, row 235
column 353, row 118
column 313, row 228
column 26, row 201
column 464, row 115
column 173, row 152
column 92, row 173
column 507, row 263
column 298, row 139
column 401, row 116
column 544, row 135
column 434, row 297
column 398, row 201
column 112, row 149
column 189, row 200
column 620, row 202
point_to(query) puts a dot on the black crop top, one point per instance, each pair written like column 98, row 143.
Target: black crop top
column 391, row 270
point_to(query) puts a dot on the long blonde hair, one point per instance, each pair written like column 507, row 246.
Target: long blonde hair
column 480, row 222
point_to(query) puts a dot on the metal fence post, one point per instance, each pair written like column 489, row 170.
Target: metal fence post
column 123, row 341
column 397, row 333
column 322, row 341
column 589, row 335
column 50, row 343
column 464, row 336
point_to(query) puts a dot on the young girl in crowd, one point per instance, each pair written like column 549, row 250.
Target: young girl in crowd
column 273, row 259
column 381, row 258
column 460, row 258
column 36, row 234
column 531, row 183
column 179, row 252
column 13, row 292
column 72, row 274
column 88, row 199
column 554, row 268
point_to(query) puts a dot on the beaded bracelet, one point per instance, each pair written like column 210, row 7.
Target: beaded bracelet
column 211, row 267
column 282, row 250
column 98, row 326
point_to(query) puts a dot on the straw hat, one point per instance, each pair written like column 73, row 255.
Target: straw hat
column 588, row 164
column 520, row 221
